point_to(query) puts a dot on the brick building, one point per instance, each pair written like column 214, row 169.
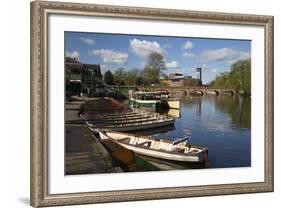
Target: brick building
column 179, row 80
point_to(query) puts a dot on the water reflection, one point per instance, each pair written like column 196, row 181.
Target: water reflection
column 193, row 101
column 238, row 109
column 172, row 165
column 220, row 123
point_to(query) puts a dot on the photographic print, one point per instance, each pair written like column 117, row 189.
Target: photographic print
column 150, row 103
column 131, row 103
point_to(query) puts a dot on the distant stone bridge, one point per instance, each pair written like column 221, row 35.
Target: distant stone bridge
column 193, row 90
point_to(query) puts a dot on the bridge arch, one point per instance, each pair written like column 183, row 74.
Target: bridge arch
column 213, row 92
column 228, row 92
column 196, row 92
column 184, row 92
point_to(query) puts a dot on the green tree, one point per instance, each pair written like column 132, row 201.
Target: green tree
column 239, row 78
column 120, row 76
column 131, row 76
column 139, row 81
column 165, row 76
column 154, row 69
column 247, row 76
column 108, row 78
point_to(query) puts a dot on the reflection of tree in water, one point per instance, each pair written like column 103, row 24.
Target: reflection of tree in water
column 238, row 109
column 194, row 101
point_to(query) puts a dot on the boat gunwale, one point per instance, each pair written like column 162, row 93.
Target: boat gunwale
column 125, row 121
column 203, row 149
column 155, row 101
column 113, row 114
column 120, row 118
column 125, row 116
column 144, row 123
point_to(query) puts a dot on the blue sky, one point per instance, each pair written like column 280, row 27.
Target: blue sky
column 181, row 54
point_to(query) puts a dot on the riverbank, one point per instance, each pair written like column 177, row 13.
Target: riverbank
column 84, row 154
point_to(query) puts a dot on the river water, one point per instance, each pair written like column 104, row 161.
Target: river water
column 220, row 123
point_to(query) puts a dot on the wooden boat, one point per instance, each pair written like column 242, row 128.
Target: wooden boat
column 133, row 112
column 133, row 126
column 178, row 150
column 130, row 121
column 114, row 114
column 146, row 104
column 121, row 118
column 173, row 165
column 172, row 103
column 154, row 100
column 127, row 121
column 175, row 113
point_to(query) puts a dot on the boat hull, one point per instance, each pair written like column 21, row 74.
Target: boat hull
column 146, row 151
column 172, row 103
column 140, row 127
column 174, row 113
column 146, row 104
column 163, row 155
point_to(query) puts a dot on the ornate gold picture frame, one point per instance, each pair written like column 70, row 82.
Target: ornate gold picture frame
column 40, row 11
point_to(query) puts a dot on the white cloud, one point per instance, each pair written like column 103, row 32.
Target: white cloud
column 232, row 61
column 172, row 64
column 224, row 54
column 189, row 55
column 143, row 48
column 241, row 57
column 104, row 68
column 73, row 54
column 111, row 56
column 87, row 41
column 214, row 70
column 188, row 45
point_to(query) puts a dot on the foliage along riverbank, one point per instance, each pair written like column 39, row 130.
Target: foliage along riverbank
column 239, row 77
column 151, row 73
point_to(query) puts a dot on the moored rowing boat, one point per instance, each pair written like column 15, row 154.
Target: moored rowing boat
column 146, row 104
column 134, row 126
column 121, row 118
column 164, row 149
column 127, row 121
column 173, row 103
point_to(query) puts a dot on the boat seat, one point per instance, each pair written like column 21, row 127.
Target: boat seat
column 125, row 139
column 178, row 151
column 144, row 143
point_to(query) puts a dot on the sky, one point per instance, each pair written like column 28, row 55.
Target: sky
column 181, row 54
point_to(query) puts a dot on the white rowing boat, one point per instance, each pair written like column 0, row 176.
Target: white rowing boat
column 134, row 126
column 128, row 121
column 164, row 149
column 122, row 118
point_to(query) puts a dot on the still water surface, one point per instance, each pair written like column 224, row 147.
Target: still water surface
column 220, row 123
